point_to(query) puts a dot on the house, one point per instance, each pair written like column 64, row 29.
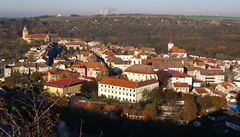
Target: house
column 233, row 122
column 178, row 66
column 181, row 87
column 90, row 69
column 136, row 59
column 74, row 45
column 202, row 91
column 233, row 97
column 106, row 54
column 140, row 72
column 114, row 62
column 41, row 60
column 192, row 71
column 200, row 64
column 64, row 86
column 147, row 50
column 178, row 52
column 56, row 74
column 210, row 76
column 197, row 83
column 7, row 71
column 123, row 89
column 29, row 68
column 226, row 87
column 86, row 56
column 178, row 77
column 128, row 57
column 59, row 60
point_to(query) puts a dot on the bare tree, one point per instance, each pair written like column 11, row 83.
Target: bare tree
column 29, row 111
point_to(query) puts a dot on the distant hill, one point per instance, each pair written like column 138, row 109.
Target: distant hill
column 201, row 35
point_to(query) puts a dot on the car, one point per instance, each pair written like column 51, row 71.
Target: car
column 182, row 122
column 197, row 123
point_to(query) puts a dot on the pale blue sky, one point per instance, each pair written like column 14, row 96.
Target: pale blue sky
column 26, row 8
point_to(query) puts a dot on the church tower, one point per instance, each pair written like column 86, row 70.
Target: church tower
column 25, row 32
column 170, row 44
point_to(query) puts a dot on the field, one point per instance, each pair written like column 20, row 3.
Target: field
column 214, row 19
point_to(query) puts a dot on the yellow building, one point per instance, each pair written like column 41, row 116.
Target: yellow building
column 66, row 86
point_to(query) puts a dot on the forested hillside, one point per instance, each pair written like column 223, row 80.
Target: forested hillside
column 213, row 37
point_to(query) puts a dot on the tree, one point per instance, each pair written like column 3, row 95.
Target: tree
column 89, row 88
column 29, row 111
column 150, row 112
column 115, row 71
column 100, row 75
column 190, row 108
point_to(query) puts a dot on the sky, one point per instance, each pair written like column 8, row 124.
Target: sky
column 30, row 8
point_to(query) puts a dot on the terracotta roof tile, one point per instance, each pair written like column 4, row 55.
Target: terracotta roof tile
column 173, row 73
column 139, row 68
column 116, row 81
column 62, row 83
column 180, row 84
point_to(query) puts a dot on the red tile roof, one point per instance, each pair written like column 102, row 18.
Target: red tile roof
column 139, row 68
column 178, row 74
column 180, row 84
column 201, row 90
column 93, row 65
column 63, row 83
column 116, row 81
column 211, row 72
column 177, row 50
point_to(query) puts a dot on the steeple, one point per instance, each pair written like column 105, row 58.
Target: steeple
column 25, row 32
column 170, row 44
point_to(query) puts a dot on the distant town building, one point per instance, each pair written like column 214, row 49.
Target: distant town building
column 38, row 37
column 202, row 91
column 29, row 68
column 210, row 76
column 90, row 69
column 181, row 87
column 179, row 77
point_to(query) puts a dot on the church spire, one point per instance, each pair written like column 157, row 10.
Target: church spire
column 25, row 32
